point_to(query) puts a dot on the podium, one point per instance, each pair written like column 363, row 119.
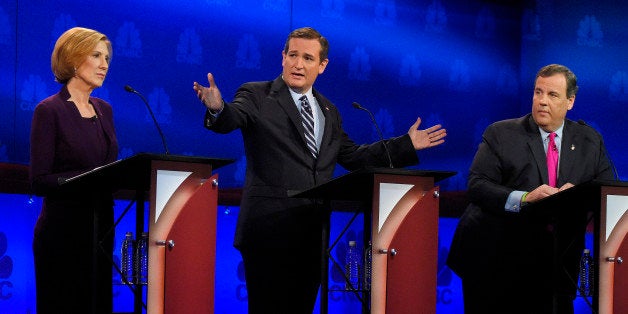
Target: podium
column 607, row 203
column 182, row 196
column 403, row 209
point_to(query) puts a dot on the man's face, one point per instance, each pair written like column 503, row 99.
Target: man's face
column 302, row 64
column 550, row 102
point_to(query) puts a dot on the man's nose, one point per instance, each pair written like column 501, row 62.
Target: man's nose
column 543, row 100
column 299, row 63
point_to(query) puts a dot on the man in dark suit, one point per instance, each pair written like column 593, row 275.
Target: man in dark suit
column 280, row 237
column 503, row 255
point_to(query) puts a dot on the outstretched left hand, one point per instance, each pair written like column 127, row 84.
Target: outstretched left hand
column 430, row 137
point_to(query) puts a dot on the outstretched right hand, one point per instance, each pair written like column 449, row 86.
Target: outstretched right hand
column 210, row 96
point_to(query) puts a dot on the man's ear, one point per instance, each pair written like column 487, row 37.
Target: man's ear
column 322, row 66
column 571, row 100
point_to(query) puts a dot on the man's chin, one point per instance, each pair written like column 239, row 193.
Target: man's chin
column 541, row 121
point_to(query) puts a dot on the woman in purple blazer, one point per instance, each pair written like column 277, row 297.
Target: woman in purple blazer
column 72, row 132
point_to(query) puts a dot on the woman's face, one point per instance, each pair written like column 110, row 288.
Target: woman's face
column 93, row 70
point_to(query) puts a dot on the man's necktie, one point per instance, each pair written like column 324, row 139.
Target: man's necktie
column 552, row 160
column 308, row 125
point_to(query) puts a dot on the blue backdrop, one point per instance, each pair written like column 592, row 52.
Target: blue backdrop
column 461, row 63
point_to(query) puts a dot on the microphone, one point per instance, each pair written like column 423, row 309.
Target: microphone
column 163, row 138
column 615, row 173
column 379, row 132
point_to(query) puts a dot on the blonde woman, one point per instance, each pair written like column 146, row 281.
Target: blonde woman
column 72, row 132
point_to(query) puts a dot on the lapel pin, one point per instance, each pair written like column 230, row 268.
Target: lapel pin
column 573, row 147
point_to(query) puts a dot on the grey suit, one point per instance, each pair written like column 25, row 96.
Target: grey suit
column 505, row 254
column 271, row 226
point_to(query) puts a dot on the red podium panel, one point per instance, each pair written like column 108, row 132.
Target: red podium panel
column 404, row 232
column 182, row 238
column 405, row 242
column 612, row 230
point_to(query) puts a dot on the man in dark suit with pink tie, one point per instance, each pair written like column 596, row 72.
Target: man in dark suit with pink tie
column 280, row 237
column 504, row 257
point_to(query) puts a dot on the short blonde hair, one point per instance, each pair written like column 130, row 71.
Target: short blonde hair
column 71, row 50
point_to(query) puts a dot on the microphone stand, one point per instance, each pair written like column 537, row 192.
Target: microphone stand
column 379, row 132
column 150, row 111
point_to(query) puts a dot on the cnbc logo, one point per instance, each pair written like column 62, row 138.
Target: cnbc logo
column 6, row 268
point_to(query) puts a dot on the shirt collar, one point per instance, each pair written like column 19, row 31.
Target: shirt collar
column 296, row 96
column 559, row 132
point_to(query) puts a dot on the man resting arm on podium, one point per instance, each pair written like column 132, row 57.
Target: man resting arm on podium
column 504, row 258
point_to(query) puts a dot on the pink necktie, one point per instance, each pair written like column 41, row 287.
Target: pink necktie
column 552, row 160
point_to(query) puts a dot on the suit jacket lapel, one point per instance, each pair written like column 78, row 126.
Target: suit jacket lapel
column 567, row 156
column 324, row 105
column 536, row 147
column 281, row 93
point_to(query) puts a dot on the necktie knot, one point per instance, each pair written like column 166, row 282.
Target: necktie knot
column 306, row 104
column 552, row 136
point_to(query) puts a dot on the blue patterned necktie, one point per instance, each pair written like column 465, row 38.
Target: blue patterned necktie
column 308, row 125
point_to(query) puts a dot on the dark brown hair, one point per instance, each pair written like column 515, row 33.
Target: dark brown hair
column 549, row 70
column 309, row 33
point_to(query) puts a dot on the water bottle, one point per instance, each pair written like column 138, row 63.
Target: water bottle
column 141, row 259
column 368, row 261
column 128, row 251
column 352, row 264
column 586, row 274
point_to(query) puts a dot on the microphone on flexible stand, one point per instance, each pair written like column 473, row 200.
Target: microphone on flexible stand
column 615, row 173
column 379, row 132
column 163, row 138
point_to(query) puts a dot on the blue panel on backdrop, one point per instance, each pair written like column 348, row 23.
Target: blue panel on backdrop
column 7, row 88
